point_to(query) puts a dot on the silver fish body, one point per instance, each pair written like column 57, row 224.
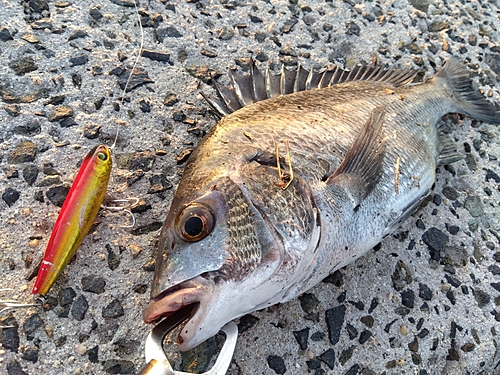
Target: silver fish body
column 241, row 236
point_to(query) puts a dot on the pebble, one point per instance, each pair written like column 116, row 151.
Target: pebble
column 198, row 359
column 12, row 109
column 288, row 25
column 30, row 354
column 450, row 193
column 28, row 127
column 172, row 32
column 451, row 297
column 334, row 320
column 79, row 308
column 308, row 302
column 5, row 34
column 335, row 278
column 78, row 60
column 124, row 346
column 33, row 322
column 302, row 337
column 364, row 336
column 401, row 276
column 482, row 298
column 158, row 183
column 352, row 28
column 157, row 56
column 494, row 269
column 183, row 156
column 246, row 322
column 277, row 364
column 10, row 336
column 10, row 172
column 317, row 336
column 24, row 152
column 202, row 72
column 23, row 65
column 66, row 296
column 453, row 281
column 452, row 352
column 138, row 78
column 468, row 347
column 107, row 330
column 60, row 113
column 474, row 205
column 437, row 26
column 452, row 229
column 14, row 368
column 373, row 305
column 423, row 333
column 490, row 175
column 435, row 239
column 113, row 310
column 140, row 160
column 93, row 284
column 226, row 33
column 57, row 194
column 368, row 321
column 10, row 196
column 353, row 370
column 351, row 331
column 80, row 349
column 118, row 366
column 328, row 357
column 30, row 173
column 113, row 259
column 170, row 100
column 93, row 354
column 49, row 181
column 91, row 131
column 346, row 355
column 147, row 228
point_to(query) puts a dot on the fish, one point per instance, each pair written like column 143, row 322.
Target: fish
column 77, row 214
column 304, row 173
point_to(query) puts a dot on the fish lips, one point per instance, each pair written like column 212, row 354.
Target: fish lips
column 195, row 291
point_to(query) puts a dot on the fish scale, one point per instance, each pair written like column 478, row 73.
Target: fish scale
column 363, row 155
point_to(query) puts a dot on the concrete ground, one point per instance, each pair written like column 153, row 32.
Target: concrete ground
column 424, row 302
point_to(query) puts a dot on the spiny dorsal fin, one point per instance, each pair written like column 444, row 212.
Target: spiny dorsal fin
column 256, row 86
column 361, row 169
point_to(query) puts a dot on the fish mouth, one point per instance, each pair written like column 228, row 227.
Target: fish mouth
column 191, row 296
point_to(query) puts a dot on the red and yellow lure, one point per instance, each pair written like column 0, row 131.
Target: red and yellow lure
column 76, row 217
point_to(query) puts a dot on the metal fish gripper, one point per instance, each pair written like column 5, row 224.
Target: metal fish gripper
column 157, row 362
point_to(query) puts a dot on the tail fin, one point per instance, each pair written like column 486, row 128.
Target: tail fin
column 469, row 101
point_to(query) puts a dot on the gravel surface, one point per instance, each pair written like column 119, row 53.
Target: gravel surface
column 425, row 301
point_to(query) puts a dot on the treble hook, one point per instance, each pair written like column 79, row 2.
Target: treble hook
column 8, row 304
column 131, row 203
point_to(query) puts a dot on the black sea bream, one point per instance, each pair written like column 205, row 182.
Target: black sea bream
column 304, row 174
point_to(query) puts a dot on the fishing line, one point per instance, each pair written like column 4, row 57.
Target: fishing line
column 141, row 45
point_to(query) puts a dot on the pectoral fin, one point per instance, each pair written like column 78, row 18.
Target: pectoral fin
column 361, row 169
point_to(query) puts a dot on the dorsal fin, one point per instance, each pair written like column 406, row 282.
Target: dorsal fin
column 256, row 86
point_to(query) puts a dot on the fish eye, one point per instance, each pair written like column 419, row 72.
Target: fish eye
column 195, row 222
column 102, row 156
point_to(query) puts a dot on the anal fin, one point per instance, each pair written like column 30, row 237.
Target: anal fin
column 361, row 169
column 448, row 151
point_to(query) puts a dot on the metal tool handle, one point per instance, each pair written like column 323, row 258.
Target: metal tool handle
column 155, row 367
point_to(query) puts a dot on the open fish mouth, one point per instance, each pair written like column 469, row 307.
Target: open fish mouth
column 191, row 296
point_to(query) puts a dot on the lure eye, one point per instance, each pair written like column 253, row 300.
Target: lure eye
column 102, row 156
column 194, row 223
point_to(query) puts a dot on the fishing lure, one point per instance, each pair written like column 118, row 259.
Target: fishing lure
column 76, row 217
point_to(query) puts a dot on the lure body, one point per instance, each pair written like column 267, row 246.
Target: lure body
column 76, row 217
